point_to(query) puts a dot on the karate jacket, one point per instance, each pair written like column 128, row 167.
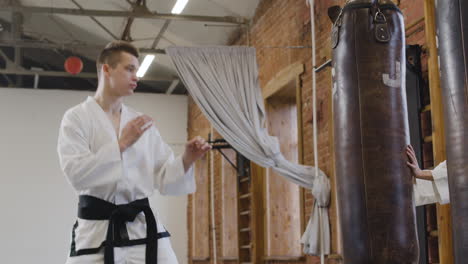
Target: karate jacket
column 90, row 158
column 437, row 191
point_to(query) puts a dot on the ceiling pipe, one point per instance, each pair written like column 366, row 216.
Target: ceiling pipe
column 137, row 13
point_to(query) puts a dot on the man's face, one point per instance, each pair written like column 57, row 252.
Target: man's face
column 122, row 78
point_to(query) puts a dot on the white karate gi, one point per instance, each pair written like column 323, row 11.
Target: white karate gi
column 437, row 191
column 91, row 160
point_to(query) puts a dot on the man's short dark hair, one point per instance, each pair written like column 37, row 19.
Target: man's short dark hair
column 111, row 53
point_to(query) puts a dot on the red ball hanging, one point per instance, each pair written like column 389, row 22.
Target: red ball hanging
column 73, row 65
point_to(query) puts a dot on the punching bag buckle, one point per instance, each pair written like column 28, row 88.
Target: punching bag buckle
column 379, row 17
column 382, row 34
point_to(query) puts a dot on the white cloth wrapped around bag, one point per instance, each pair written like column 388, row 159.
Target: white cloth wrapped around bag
column 318, row 223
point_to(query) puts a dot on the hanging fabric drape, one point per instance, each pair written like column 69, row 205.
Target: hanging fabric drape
column 223, row 81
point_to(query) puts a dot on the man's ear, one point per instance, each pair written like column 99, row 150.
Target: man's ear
column 334, row 12
column 105, row 69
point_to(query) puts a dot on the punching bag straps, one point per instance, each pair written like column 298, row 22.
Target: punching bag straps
column 381, row 31
column 335, row 34
column 374, row 7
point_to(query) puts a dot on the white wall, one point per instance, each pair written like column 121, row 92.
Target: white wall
column 38, row 206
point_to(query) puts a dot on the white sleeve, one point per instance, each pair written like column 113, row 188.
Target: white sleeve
column 424, row 192
column 441, row 182
column 169, row 175
column 83, row 168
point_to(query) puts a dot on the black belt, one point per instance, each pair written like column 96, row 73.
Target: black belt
column 92, row 208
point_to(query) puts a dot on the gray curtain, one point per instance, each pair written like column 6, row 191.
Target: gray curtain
column 223, row 82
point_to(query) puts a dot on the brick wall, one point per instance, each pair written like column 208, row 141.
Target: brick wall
column 282, row 23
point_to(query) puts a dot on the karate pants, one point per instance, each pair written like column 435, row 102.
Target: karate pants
column 130, row 255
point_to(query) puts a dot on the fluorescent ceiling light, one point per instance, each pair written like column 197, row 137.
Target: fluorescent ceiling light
column 145, row 65
column 179, row 6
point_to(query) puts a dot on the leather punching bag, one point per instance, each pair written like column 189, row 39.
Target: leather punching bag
column 374, row 185
column 452, row 27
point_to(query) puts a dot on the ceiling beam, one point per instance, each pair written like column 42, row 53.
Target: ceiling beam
column 16, row 32
column 172, row 86
column 90, row 75
column 96, row 21
column 8, row 79
column 65, row 46
column 138, row 4
column 138, row 13
column 61, row 26
column 8, row 62
column 47, row 73
column 160, row 34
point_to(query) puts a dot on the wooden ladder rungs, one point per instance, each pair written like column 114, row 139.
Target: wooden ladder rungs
column 434, row 233
column 244, row 196
column 245, row 212
column 428, row 139
column 244, row 179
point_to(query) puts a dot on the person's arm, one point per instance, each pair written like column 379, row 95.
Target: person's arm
column 414, row 166
column 86, row 169
column 133, row 130
column 83, row 168
column 425, row 175
column 430, row 186
column 174, row 175
column 194, row 150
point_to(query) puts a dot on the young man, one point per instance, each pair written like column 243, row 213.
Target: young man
column 430, row 186
column 115, row 158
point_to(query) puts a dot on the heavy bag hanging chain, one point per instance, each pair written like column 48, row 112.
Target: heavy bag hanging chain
column 335, row 34
column 381, row 31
